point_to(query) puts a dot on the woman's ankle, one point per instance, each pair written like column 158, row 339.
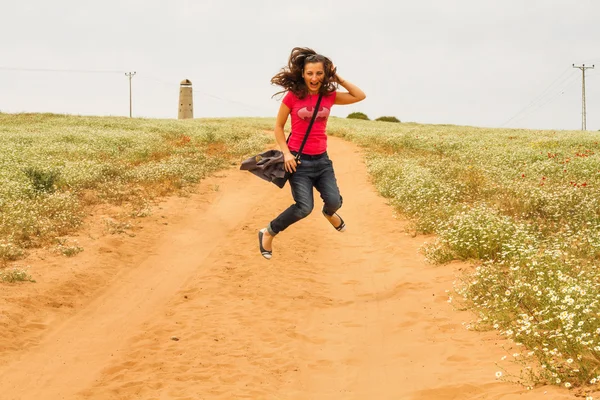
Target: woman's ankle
column 269, row 231
column 333, row 219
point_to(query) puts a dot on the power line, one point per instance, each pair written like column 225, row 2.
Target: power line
column 593, row 60
column 551, row 97
column 151, row 78
column 539, row 97
column 248, row 106
column 544, row 95
column 230, row 101
column 583, row 116
column 562, row 90
column 130, row 76
column 79, row 71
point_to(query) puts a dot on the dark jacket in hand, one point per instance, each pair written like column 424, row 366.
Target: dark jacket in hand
column 267, row 166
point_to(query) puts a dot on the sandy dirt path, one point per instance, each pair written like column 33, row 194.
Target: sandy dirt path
column 354, row 315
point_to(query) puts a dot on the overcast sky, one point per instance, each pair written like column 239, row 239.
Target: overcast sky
column 504, row 63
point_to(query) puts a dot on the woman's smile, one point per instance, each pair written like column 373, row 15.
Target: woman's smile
column 313, row 76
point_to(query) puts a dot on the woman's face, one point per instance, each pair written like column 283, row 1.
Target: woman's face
column 313, row 75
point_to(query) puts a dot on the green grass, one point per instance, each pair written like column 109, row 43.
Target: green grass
column 53, row 166
column 524, row 207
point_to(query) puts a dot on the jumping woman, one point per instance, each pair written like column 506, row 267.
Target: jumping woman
column 306, row 76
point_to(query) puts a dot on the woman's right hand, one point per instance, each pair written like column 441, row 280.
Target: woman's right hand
column 289, row 162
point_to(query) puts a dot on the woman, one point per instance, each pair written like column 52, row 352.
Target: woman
column 307, row 75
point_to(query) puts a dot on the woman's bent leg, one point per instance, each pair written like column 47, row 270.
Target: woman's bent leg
column 302, row 192
column 327, row 186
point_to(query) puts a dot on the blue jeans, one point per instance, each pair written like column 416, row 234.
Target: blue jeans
column 313, row 171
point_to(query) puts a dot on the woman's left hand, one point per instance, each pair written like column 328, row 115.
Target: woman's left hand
column 289, row 162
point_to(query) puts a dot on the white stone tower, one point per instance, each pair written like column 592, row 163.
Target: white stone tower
column 186, row 101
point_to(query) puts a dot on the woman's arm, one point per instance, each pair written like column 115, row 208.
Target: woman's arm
column 354, row 94
column 282, row 117
column 288, row 157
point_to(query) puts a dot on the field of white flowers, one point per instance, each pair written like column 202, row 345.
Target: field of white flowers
column 53, row 166
column 524, row 207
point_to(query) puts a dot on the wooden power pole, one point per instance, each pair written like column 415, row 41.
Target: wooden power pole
column 583, row 115
column 130, row 75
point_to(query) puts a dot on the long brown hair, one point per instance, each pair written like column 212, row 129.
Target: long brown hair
column 290, row 78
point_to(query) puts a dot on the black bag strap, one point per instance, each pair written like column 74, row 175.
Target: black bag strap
column 312, row 121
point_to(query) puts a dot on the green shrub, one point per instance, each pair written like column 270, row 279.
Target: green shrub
column 70, row 251
column 388, row 119
column 15, row 275
column 9, row 251
column 41, row 180
column 358, row 115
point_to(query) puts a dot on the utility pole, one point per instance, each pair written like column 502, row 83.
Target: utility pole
column 130, row 75
column 583, row 115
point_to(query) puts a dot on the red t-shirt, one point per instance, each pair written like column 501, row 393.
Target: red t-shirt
column 301, row 111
